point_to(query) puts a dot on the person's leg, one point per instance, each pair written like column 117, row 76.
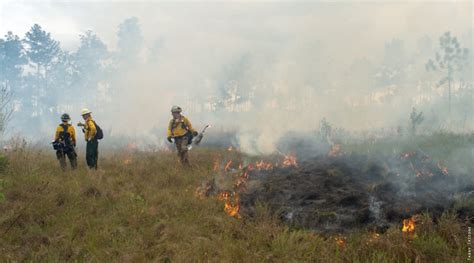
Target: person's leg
column 184, row 151
column 72, row 159
column 62, row 159
column 89, row 154
column 177, row 142
column 96, row 153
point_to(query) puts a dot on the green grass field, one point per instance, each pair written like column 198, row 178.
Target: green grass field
column 143, row 207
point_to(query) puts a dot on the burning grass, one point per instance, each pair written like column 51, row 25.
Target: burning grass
column 148, row 209
column 338, row 192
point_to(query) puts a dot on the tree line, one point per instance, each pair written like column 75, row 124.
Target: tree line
column 39, row 79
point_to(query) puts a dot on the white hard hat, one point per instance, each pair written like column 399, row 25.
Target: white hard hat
column 85, row 111
column 176, row 109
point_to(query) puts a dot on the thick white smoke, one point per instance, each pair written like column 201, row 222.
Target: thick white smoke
column 273, row 67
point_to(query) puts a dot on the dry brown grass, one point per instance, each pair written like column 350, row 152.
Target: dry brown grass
column 147, row 210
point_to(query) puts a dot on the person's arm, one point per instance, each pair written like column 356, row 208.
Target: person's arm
column 91, row 129
column 72, row 131
column 170, row 125
column 190, row 126
column 82, row 125
column 58, row 132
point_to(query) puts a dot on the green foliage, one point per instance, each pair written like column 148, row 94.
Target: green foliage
column 11, row 61
column 3, row 162
column 42, row 49
column 431, row 246
column 130, row 38
column 11, row 58
column 450, row 59
column 89, row 58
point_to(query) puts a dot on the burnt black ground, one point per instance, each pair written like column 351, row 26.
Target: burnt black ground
column 341, row 194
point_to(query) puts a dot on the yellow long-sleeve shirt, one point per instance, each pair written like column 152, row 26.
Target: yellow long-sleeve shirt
column 179, row 127
column 70, row 131
column 89, row 129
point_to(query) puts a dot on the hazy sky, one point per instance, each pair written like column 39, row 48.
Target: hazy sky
column 348, row 20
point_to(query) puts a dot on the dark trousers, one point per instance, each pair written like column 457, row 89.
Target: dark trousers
column 71, row 155
column 92, row 153
column 182, row 148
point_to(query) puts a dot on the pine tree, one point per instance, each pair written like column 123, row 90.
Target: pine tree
column 449, row 60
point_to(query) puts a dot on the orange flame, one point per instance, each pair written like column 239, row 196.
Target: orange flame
column 231, row 200
column 340, row 241
column 216, row 166
column 250, row 167
column 261, row 165
column 231, row 203
column 409, row 225
column 335, row 150
column 223, row 196
column 227, row 166
column 373, row 238
column 242, row 179
column 289, row 160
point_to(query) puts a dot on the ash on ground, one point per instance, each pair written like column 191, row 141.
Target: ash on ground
column 344, row 193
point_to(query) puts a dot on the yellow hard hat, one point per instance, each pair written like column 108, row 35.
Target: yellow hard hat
column 85, row 111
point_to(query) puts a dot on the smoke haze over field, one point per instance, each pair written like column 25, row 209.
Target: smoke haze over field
column 263, row 68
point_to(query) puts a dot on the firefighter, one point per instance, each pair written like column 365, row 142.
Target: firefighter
column 182, row 132
column 89, row 128
column 65, row 143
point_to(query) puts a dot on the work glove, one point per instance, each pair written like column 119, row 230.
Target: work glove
column 169, row 139
column 195, row 133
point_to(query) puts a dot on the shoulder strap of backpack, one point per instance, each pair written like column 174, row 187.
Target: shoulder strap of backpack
column 183, row 123
column 65, row 133
column 173, row 125
column 65, row 127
